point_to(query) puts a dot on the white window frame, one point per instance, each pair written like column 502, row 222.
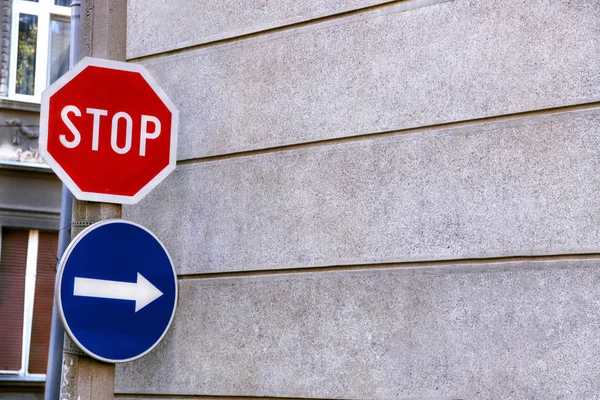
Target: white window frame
column 44, row 10
column 29, row 298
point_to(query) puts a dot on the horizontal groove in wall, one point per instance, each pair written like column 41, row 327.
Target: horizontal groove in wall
column 394, row 265
column 368, row 136
column 386, row 8
column 206, row 397
column 41, row 211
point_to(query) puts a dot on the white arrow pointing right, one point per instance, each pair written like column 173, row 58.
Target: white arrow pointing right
column 142, row 292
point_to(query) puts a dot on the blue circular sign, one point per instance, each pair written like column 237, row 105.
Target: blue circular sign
column 116, row 290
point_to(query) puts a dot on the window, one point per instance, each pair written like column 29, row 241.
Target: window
column 39, row 52
column 27, row 273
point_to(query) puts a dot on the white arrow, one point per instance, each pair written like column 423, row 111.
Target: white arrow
column 142, row 292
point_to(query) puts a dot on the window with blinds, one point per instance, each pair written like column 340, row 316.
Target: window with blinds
column 27, row 271
column 42, row 305
column 13, row 259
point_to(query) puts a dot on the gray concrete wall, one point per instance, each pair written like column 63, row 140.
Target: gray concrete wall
column 380, row 71
column 377, row 200
column 21, row 396
column 29, row 198
column 481, row 331
column 523, row 186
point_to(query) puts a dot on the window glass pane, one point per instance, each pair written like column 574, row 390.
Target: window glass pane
column 26, row 54
column 59, row 48
column 66, row 3
column 12, row 296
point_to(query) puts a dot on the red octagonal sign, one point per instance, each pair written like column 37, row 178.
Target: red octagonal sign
column 108, row 131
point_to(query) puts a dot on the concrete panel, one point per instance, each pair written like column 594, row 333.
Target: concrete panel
column 516, row 187
column 29, row 189
column 21, row 396
column 495, row 331
column 148, row 30
column 378, row 72
column 30, row 220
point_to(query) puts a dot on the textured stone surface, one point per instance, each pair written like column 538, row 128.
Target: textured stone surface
column 377, row 72
column 207, row 21
column 479, row 331
column 103, row 29
column 527, row 186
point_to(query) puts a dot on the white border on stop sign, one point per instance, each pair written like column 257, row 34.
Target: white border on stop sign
column 64, row 177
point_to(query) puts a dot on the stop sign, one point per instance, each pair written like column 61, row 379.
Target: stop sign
column 108, row 131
